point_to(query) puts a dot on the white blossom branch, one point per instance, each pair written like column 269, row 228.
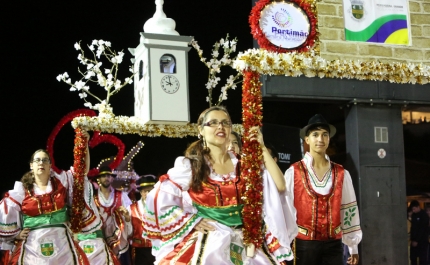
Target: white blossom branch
column 108, row 79
column 227, row 47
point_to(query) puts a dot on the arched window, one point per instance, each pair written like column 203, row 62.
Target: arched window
column 140, row 70
column 168, row 64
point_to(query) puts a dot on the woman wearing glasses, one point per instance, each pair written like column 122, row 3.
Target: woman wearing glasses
column 34, row 215
column 194, row 212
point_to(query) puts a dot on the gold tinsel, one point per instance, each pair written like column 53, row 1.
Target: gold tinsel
column 310, row 64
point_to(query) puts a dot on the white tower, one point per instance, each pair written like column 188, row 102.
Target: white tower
column 161, row 81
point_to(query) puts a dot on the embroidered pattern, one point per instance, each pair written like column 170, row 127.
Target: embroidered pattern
column 8, row 229
column 351, row 222
column 313, row 176
column 184, row 229
column 171, row 220
column 349, row 214
column 169, row 212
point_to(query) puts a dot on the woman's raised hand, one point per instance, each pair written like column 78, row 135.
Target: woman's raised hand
column 255, row 134
column 23, row 234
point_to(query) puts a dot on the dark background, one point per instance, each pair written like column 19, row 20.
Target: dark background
column 37, row 39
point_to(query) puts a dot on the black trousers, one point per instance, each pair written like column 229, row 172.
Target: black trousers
column 419, row 252
column 125, row 258
column 142, row 256
column 312, row 252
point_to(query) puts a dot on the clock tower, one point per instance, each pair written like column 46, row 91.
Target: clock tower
column 161, row 66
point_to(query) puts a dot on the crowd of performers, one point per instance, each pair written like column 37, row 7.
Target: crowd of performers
column 192, row 214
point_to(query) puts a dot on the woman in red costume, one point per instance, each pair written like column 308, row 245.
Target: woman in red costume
column 194, row 212
column 35, row 216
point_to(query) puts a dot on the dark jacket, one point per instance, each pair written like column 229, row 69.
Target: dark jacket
column 419, row 226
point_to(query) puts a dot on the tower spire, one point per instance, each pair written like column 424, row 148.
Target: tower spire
column 160, row 23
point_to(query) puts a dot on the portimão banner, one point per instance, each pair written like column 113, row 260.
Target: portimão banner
column 378, row 21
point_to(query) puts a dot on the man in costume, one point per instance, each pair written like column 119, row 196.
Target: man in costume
column 112, row 205
column 141, row 247
column 91, row 238
column 324, row 198
column 419, row 234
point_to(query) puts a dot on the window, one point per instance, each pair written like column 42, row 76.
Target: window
column 140, row 70
column 381, row 135
column 168, row 64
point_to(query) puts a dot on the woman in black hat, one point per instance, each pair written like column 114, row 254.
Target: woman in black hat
column 323, row 195
column 194, row 212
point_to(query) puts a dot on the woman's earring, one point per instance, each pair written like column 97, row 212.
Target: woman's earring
column 205, row 146
column 199, row 136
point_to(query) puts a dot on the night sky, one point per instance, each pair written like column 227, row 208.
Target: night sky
column 37, row 44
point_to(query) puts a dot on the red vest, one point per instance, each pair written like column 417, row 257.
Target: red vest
column 34, row 205
column 318, row 216
column 136, row 221
column 219, row 193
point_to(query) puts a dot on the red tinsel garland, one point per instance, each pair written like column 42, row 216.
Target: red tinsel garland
column 79, row 165
column 107, row 138
column 65, row 120
column 251, row 161
column 79, row 168
column 257, row 33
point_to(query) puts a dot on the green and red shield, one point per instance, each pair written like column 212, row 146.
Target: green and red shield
column 236, row 254
column 47, row 249
column 357, row 11
column 88, row 249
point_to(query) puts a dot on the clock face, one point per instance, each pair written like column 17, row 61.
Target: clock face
column 169, row 84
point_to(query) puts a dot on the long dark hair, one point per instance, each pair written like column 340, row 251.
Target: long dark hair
column 197, row 153
column 28, row 178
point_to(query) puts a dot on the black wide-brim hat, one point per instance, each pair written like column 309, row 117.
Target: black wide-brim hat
column 316, row 120
column 105, row 170
column 146, row 181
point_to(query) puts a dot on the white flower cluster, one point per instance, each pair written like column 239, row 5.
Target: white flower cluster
column 214, row 65
column 311, row 65
column 134, row 125
column 94, row 73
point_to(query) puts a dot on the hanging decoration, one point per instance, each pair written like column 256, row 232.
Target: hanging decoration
column 97, row 139
column 284, row 26
column 310, row 64
column 79, row 166
column 250, row 164
column 65, row 120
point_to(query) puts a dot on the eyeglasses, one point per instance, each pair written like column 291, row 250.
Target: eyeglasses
column 215, row 123
column 44, row 160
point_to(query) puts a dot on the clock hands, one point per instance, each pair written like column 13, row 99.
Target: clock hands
column 169, row 84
